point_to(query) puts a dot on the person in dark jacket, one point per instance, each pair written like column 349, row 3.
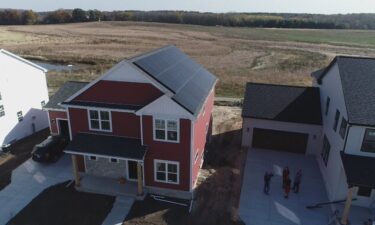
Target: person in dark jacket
column 267, row 180
column 285, row 175
column 287, row 186
column 297, row 181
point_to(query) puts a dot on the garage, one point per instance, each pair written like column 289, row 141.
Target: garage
column 282, row 118
column 280, row 140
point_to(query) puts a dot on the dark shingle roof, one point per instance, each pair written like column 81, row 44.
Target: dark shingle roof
column 359, row 170
column 282, row 103
column 187, row 80
column 65, row 91
column 106, row 145
column 104, row 105
column 318, row 74
column 358, row 81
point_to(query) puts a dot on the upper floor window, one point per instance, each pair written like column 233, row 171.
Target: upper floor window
column 20, row 116
column 343, row 127
column 328, row 101
column 166, row 130
column 336, row 122
column 2, row 111
column 1, row 98
column 326, row 150
column 100, row 120
column 43, row 103
column 368, row 144
column 166, row 171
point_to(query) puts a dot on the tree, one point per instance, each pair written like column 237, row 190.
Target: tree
column 29, row 17
column 10, row 17
column 58, row 16
column 79, row 15
column 95, row 15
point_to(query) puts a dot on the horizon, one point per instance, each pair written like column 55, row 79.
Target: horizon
column 326, row 7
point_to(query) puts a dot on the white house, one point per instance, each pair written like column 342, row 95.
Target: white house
column 23, row 93
column 334, row 120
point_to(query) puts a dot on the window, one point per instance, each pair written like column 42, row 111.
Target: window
column 93, row 158
column 343, row 127
column 43, row 103
column 328, row 101
column 1, row 98
column 166, row 171
column 326, row 150
column 337, row 117
column 114, row 160
column 100, row 120
column 368, row 144
column 2, row 112
column 364, row 191
column 19, row 116
column 166, row 130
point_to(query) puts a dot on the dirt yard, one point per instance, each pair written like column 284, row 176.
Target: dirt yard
column 20, row 153
column 235, row 55
column 61, row 205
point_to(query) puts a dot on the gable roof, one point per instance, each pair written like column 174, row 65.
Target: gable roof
column 5, row 52
column 282, row 103
column 66, row 90
column 357, row 76
column 189, row 82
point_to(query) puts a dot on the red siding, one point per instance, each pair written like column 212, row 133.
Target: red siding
column 53, row 116
column 179, row 152
column 120, row 93
column 123, row 124
column 200, row 136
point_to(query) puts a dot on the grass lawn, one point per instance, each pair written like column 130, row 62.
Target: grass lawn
column 61, row 205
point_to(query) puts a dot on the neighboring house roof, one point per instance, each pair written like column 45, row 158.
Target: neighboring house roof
column 282, row 103
column 5, row 52
column 358, row 81
column 189, row 82
column 359, row 170
column 65, row 91
column 105, row 145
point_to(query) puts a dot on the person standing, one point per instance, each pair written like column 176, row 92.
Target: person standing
column 285, row 175
column 267, row 180
column 297, row 181
column 287, row 185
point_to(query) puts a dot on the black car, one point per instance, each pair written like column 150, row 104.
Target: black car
column 50, row 149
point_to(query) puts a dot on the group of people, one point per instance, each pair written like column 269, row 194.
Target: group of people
column 287, row 182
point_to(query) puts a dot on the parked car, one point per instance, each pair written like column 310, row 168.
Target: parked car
column 50, row 149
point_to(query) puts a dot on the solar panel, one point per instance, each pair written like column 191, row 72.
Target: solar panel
column 189, row 81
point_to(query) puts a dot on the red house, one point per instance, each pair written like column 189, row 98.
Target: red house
column 146, row 120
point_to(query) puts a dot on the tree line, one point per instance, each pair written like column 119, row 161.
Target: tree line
column 269, row 20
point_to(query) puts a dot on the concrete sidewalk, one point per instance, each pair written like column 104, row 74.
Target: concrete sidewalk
column 119, row 211
column 256, row 208
column 28, row 181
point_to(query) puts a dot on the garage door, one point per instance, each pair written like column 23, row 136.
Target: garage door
column 280, row 140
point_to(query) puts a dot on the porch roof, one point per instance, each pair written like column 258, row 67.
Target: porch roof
column 106, row 145
column 359, row 170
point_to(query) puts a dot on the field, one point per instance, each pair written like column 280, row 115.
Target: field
column 235, row 55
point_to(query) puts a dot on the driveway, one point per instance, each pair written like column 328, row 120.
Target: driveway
column 28, row 180
column 256, row 208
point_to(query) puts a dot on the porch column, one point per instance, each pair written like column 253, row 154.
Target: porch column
column 75, row 171
column 348, row 203
column 139, row 178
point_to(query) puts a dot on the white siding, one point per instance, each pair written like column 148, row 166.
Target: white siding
column 314, row 131
column 23, row 88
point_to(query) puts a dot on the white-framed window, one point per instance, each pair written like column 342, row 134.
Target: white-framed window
column 166, row 171
column 113, row 160
column 43, row 104
column 2, row 111
column 93, row 158
column 100, row 120
column 19, row 116
column 166, row 130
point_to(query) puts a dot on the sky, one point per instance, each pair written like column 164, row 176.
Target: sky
column 281, row 6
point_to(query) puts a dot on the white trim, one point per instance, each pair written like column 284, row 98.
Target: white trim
column 191, row 155
column 70, row 127
column 127, row 170
column 100, row 156
column 52, row 109
column 167, row 162
column 141, row 124
column 98, row 108
column 23, row 60
column 196, row 156
column 100, row 120
column 49, row 122
column 166, row 129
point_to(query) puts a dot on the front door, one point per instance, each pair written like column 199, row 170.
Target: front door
column 64, row 128
column 132, row 170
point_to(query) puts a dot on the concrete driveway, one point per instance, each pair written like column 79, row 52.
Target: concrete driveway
column 28, row 181
column 256, row 208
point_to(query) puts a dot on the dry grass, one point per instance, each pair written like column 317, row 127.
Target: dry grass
column 235, row 55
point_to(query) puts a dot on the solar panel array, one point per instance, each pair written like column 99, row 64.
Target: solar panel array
column 188, row 80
